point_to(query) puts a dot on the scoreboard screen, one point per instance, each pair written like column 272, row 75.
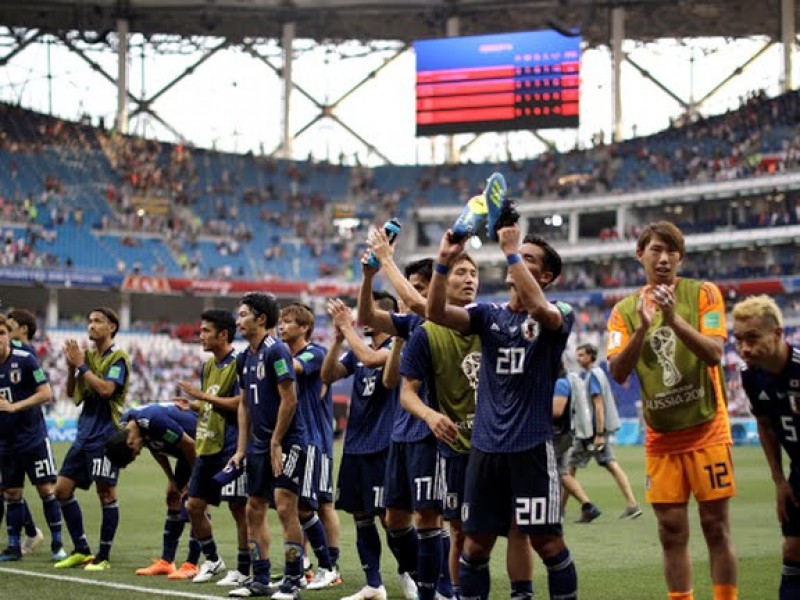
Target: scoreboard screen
column 498, row 82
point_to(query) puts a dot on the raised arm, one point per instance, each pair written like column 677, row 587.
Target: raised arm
column 391, row 371
column 384, row 251
column 342, row 318
column 438, row 310
column 530, row 293
column 332, row 370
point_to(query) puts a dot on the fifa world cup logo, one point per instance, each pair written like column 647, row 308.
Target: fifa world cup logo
column 471, row 366
column 663, row 344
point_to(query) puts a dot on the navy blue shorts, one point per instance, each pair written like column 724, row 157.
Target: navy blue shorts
column 38, row 463
column 203, row 486
column 260, row 480
column 412, row 480
column 86, row 464
column 317, row 487
column 360, row 485
column 455, row 475
column 521, row 487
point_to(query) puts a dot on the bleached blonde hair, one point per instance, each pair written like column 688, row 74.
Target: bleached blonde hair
column 763, row 307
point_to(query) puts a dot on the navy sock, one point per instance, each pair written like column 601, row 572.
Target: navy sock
column 368, row 545
column 293, row 567
column 209, row 548
column 474, row 576
column 404, row 544
column 790, row 581
column 562, row 578
column 243, row 561
column 15, row 516
column 445, row 587
column 108, row 529
column 315, row 533
column 74, row 519
column 261, row 570
column 429, row 562
column 30, row 526
column 195, row 551
column 173, row 528
column 521, row 590
column 334, row 553
column 52, row 513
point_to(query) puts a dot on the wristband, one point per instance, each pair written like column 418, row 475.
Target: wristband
column 83, row 369
column 441, row 268
column 513, row 259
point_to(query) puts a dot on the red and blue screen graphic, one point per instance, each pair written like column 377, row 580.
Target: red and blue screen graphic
column 500, row 82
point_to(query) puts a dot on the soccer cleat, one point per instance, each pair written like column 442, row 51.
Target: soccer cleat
column 186, row 571
column 97, row 565
column 472, row 218
column 159, row 567
column 287, row 592
column 589, row 514
column 368, row 593
column 632, row 512
column 10, row 555
column 254, row 589
column 408, row 585
column 208, row 570
column 324, row 578
column 233, row 578
column 439, row 596
column 76, row 559
column 58, row 554
column 500, row 208
column 30, row 543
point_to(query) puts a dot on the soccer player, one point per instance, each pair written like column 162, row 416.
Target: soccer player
column 98, row 379
column 672, row 332
column 511, row 478
column 360, row 487
column 273, row 435
column 24, row 446
column 411, row 495
column 771, row 379
column 22, row 328
column 606, row 421
column 571, row 414
column 216, row 403
column 167, row 432
column 318, row 518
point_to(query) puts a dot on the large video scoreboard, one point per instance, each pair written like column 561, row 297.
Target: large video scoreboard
column 500, row 82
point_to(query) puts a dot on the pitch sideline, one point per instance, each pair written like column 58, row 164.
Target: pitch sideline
column 109, row 584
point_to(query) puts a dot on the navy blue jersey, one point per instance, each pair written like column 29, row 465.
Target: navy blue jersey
column 778, row 397
column 163, row 427
column 20, row 376
column 316, row 406
column 98, row 419
column 23, row 346
column 519, row 367
column 260, row 373
column 407, row 428
column 372, row 407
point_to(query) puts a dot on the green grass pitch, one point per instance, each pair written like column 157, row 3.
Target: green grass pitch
column 616, row 560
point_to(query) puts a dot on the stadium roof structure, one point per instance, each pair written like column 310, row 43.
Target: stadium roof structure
column 404, row 20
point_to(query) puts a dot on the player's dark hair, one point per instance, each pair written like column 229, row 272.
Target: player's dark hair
column 422, row 267
column 222, row 320
column 385, row 300
column 24, row 318
column 119, row 454
column 590, row 349
column 302, row 315
column 263, row 304
column 668, row 232
column 109, row 314
column 461, row 258
column 552, row 259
